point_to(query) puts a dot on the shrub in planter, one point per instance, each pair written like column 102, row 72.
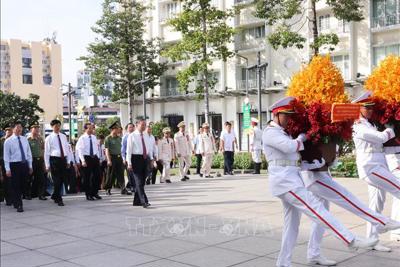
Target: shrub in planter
column 346, row 167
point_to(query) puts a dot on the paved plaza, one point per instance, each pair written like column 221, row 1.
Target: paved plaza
column 227, row 221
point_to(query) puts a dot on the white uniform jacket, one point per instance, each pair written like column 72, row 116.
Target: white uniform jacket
column 165, row 149
column 183, row 144
column 256, row 139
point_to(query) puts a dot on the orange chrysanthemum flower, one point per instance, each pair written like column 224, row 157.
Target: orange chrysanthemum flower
column 320, row 81
column 384, row 81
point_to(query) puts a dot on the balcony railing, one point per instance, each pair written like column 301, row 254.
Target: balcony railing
column 249, row 44
column 243, row 2
column 172, row 91
column 252, row 84
column 385, row 21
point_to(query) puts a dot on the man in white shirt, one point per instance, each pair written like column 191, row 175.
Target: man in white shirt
column 196, row 144
column 139, row 154
column 129, row 128
column 184, row 150
column 57, row 158
column 154, row 148
column 18, row 164
column 228, row 143
column 88, row 151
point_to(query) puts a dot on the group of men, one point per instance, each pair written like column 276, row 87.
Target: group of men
column 304, row 191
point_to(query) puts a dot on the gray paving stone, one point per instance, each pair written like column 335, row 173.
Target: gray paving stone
column 8, row 248
column 26, row 259
column 44, row 240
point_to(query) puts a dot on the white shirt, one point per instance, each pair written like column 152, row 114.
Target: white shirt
column 369, row 146
column 102, row 150
column 278, row 145
column 52, row 148
column 256, row 138
column 135, row 146
column 229, row 139
column 12, row 151
column 83, row 146
column 183, row 144
column 153, row 145
column 196, row 143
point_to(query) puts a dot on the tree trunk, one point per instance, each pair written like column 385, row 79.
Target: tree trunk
column 130, row 104
column 206, row 92
column 314, row 27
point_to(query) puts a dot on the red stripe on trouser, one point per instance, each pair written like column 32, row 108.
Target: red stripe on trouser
column 319, row 217
column 387, row 180
column 348, row 200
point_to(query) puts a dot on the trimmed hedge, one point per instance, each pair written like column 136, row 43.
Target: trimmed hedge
column 242, row 161
column 346, row 167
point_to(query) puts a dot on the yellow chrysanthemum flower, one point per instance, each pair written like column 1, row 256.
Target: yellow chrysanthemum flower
column 384, row 81
column 320, row 81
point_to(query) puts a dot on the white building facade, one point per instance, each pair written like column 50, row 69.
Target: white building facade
column 362, row 45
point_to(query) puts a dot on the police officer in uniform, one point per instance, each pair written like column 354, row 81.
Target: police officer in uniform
column 115, row 165
column 371, row 161
column 207, row 150
column 18, row 164
column 37, row 185
column 88, row 152
column 166, row 153
column 282, row 152
column 4, row 182
column 256, row 145
column 57, row 158
column 184, row 150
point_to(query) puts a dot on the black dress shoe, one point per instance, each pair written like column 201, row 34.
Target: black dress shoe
column 168, row 181
column 97, row 197
column 8, row 204
column 89, row 198
column 209, row 176
column 28, row 198
column 136, row 204
column 201, row 175
column 187, row 177
column 20, row 209
column 183, row 179
column 42, row 198
column 108, row 192
column 146, row 205
column 60, row 203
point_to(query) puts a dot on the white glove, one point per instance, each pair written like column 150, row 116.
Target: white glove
column 390, row 133
column 302, row 137
column 311, row 166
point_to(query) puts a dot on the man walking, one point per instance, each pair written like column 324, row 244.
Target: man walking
column 196, row 143
column 57, row 158
column 5, row 182
column 18, row 164
column 227, row 146
column 129, row 128
column 115, row 165
column 256, row 145
column 36, row 186
column 138, row 155
column 184, row 150
column 207, row 150
column 88, row 152
column 166, row 154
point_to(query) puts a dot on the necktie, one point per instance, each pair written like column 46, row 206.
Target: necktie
column 61, row 147
column 144, row 147
column 91, row 146
column 21, row 149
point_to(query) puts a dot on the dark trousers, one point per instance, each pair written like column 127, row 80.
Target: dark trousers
column 155, row 170
column 228, row 161
column 199, row 157
column 131, row 181
column 115, row 172
column 140, row 172
column 19, row 173
column 35, row 186
column 59, row 173
column 5, row 185
column 91, row 179
column 72, row 180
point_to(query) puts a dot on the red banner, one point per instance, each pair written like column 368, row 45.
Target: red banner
column 342, row 112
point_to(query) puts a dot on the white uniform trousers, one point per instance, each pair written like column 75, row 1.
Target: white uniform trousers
column 206, row 165
column 396, row 215
column 184, row 165
column 300, row 201
column 166, row 168
column 256, row 155
column 329, row 190
column 379, row 182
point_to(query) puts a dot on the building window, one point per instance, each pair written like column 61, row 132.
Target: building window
column 27, row 62
column 27, row 79
column 382, row 52
column 343, row 26
column 172, row 10
column 253, row 80
column 47, row 79
column 343, row 64
column 324, row 22
column 3, row 47
column 254, row 33
column 385, row 12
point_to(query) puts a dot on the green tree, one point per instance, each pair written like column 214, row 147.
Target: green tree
column 14, row 108
column 120, row 52
column 158, row 127
column 205, row 35
column 290, row 16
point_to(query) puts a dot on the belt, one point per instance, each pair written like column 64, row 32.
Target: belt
column 284, row 163
column 92, row 157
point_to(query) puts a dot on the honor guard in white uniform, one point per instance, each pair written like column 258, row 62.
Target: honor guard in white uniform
column 282, row 153
column 256, row 145
column 184, row 150
column 166, row 153
column 322, row 185
column 371, row 161
column 207, row 150
column 393, row 161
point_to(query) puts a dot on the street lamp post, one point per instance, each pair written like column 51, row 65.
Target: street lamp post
column 69, row 93
column 247, row 73
column 142, row 84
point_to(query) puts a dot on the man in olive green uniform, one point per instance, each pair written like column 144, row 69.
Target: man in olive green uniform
column 4, row 181
column 36, row 184
column 115, row 165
